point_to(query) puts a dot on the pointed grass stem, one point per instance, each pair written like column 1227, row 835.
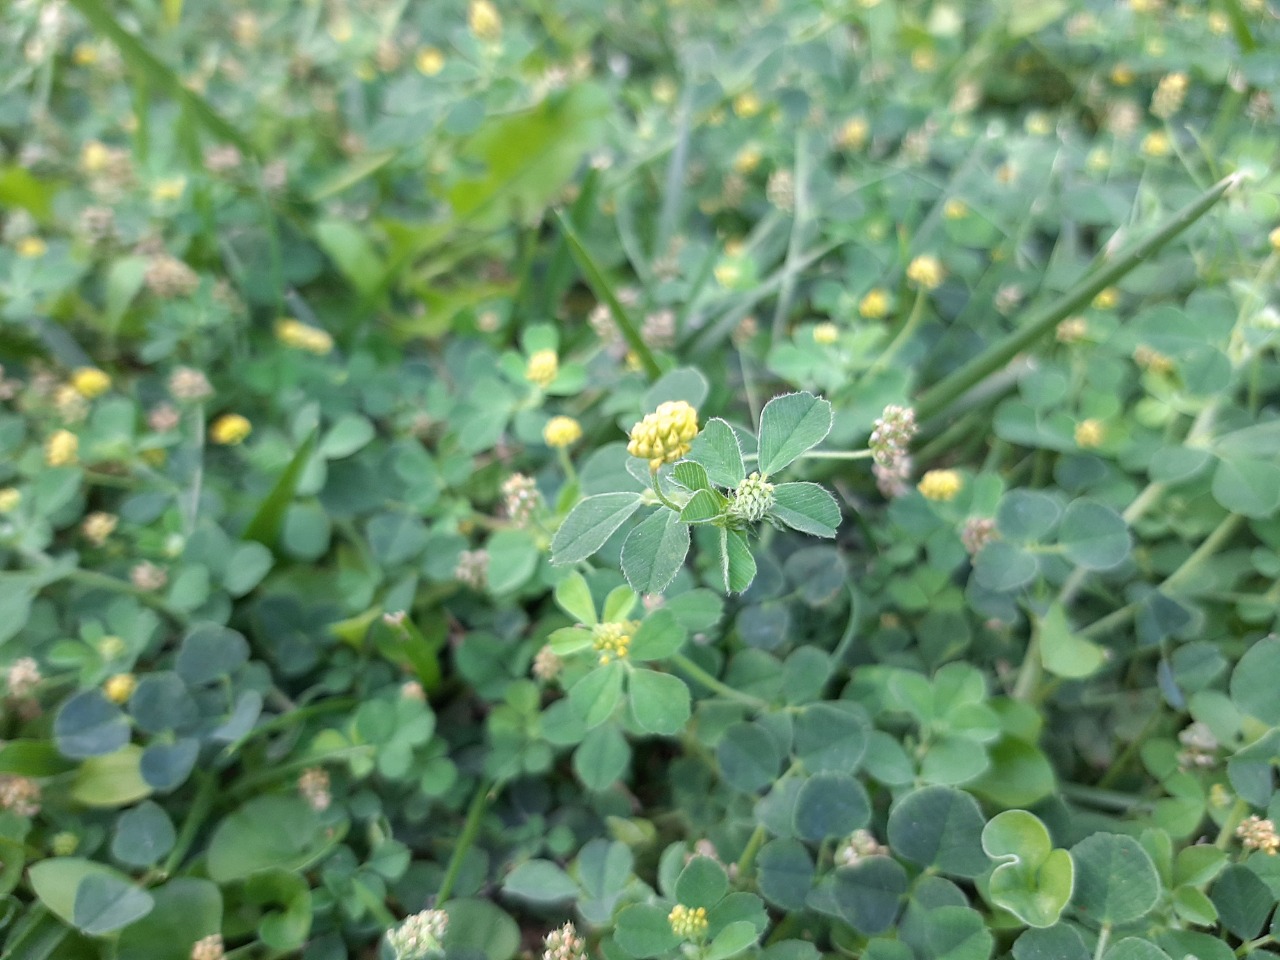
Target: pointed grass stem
column 1107, row 271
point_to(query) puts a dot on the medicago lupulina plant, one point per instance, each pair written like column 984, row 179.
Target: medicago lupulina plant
column 699, row 478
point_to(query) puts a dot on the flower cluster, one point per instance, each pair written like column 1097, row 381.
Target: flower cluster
column 21, row 795
column 977, row 533
column 752, row 500
column 543, row 368
column 686, row 922
column 313, row 786
column 520, row 498
column 1170, row 92
column 208, row 948
column 613, row 640
column 889, row 442
column 926, row 272
column 230, row 429
column 301, row 336
column 564, row 943
column 22, row 677
column 665, row 435
column 472, row 568
column 561, row 432
column 1199, row 747
column 859, row 846
column 1259, row 834
column 941, row 485
column 419, row 936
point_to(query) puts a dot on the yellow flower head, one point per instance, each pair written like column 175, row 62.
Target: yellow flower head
column 853, row 135
column 484, row 20
column 747, row 160
column 90, row 382
column 940, row 485
column 1274, row 239
column 119, row 687
column 84, row 55
column 1121, row 75
column 1106, row 298
column 98, row 526
column 171, row 188
column 875, row 305
column 31, row 247
column 1072, row 330
column 926, row 271
column 10, row 497
column 1157, row 144
column 688, row 923
column 543, row 367
column 1089, row 433
column 665, row 435
column 747, row 105
column 429, row 61
column 95, row 156
column 300, row 336
column 613, row 640
column 110, row 647
column 955, row 209
column 825, row 334
column 230, row 429
column 561, row 432
column 61, row 448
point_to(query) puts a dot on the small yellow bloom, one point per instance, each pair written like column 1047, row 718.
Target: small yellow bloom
column 665, row 435
column 1157, row 144
column 1274, row 239
column 90, row 382
column 61, row 448
column 110, row 647
column 10, row 497
column 94, row 156
column 688, row 923
column 84, row 55
column 230, row 429
column 1072, row 330
column 747, row 105
column 429, row 61
column 665, row 91
column 1106, row 298
column 1121, row 75
column 853, row 135
column 1152, row 360
column 875, row 305
column 171, row 188
column 613, row 640
column 926, row 271
column 543, row 367
column 301, row 336
column 940, row 485
column 119, row 687
column 98, row 526
column 561, row 432
column 1099, row 159
column 484, row 20
column 1218, row 23
column 31, row 247
column 1089, row 433
column 924, row 60
column 1038, row 124
column 825, row 334
column 747, row 160
column 955, row 209
column 340, row 30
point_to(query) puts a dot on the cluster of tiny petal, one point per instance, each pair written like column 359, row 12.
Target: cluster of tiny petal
column 1089, row 433
column 302, row 336
column 1106, row 298
column 543, row 367
column 21, row 795
column 977, row 533
column 472, row 568
column 484, row 20
column 99, row 525
column 147, row 576
column 686, row 922
column 119, row 687
column 926, row 271
column 665, row 435
column 780, row 190
column 564, row 944
column 163, row 417
column 1072, row 330
column 561, row 432
column 313, row 786
column 419, row 936
column 1156, row 144
column 940, row 485
column 1152, row 360
column 852, row 135
column 1199, row 746
column 659, row 329
column 875, row 305
column 613, row 640
column 826, row 334
column 169, row 278
column 71, row 405
column 520, row 498
column 220, row 159
column 1009, row 297
column 230, row 429
column 1170, row 92
column 208, row 948
column 1259, row 834
column 10, row 497
column 90, row 382
column 752, row 500
column 859, row 846
column 22, row 677
column 64, row 843
column 892, row 433
column 61, row 448
column 189, row 385
column 546, row 664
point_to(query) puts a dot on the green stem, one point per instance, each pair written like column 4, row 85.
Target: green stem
column 1236, row 814
column 1250, row 945
column 748, row 858
column 200, row 807
column 102, row 581
column 567, row 465
column 470, row 829
column 1029, row 673
column 1103, row 799
column 903, row 335
column 1106, row 272
column 719, row 686
column 1104, row 936
column 657, row 490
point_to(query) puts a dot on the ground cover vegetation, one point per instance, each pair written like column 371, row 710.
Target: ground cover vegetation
column 639, row 480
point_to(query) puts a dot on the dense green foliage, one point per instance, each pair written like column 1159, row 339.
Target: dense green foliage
column 752, row 482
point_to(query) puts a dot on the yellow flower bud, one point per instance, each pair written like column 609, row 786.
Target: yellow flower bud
column 1274, row 239
column 665, row 435
column 429, row 61
column 170, row 188
column 542, row 369
column 853, row 135
column 61, row 448
column 230, row 429
column 825, row 334
column 10, row 497
column 926, row 271
column 90, row 382
column 31, row 247
column 1089, row 433
column 1107, row 298
column 955, row 209
column 688, row 923
column 120, row 687
column 613, row 640
column 484, row 20
column 562, row 432
column 300, row 336
column 1157, row 144
column 875, row 305
column 747, row 105
column 940, row 485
